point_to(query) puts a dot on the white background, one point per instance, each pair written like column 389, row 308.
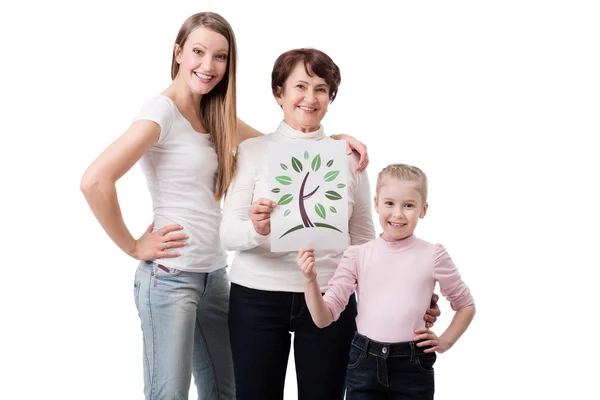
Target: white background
column 497, row 101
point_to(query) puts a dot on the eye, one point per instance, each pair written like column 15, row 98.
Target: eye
column 198, row 51
column 222, row 57
column 389, row 203
column 410, row 206
column 300, row 86
column 322, row 90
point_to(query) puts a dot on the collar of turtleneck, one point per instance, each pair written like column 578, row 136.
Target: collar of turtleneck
column 291, row 133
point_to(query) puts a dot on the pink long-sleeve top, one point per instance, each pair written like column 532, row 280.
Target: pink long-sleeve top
column 394, row 282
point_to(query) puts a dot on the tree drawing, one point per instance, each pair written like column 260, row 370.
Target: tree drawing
column 306, row 193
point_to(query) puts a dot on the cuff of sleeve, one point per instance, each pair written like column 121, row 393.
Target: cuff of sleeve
column 256, row 238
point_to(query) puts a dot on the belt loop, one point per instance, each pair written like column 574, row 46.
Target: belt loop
column 412, row 351
column 367, row 341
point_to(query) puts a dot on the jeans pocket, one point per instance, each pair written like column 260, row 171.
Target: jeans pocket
column 162, row 272
column 356, row 357
column 425, row 362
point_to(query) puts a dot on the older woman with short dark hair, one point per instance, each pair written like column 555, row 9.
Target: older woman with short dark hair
column 267, row 300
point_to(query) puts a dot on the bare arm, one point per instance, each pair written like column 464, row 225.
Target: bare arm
column 98, row 184
column 245, row 131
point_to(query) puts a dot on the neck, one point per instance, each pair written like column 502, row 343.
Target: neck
column 301, row 128
column 181, row 94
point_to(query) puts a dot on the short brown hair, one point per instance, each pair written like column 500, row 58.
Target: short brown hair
column 404, row 172
column 315, row 61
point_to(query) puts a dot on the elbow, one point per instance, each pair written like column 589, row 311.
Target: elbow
column 322, row 324
column 91, row 184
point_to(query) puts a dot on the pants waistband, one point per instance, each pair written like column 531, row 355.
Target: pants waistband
column 385, row 350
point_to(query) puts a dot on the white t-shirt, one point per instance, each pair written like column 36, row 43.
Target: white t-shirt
column 181, row 172
column 254, row 265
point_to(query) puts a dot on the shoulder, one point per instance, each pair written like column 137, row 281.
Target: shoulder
column 255, row 147
column 159, row 103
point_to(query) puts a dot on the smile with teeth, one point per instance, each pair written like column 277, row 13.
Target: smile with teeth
column 306, row 108
column 396, row 224
column 203, row 77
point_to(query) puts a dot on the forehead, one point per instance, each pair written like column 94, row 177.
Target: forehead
column 299, row 74
column 397, row 188
column 208, row 38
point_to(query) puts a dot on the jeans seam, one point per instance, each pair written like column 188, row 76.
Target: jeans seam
column 151, row 320
column 212, row 364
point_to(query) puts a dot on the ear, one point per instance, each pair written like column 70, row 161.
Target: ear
column 177, row 51
column 279, row 94
column 376, row 206
column 424, row 211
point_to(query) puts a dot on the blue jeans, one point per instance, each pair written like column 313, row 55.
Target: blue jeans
column 400, row 371
column 184, row 324
column 260, row 323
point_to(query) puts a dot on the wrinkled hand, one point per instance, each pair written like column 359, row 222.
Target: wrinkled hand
column 353, row 144
column 306, row 262
column 153, row 245
column 425, row 337
column 260, row 215
column 432, row 312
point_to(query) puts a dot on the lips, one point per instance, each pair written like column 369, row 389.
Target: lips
column 309, row 109
column 204, row 77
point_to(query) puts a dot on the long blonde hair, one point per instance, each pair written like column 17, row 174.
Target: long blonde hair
column 218, row 107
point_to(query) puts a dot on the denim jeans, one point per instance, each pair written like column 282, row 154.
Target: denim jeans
column 184, row 324
column 260, row 323
column 398, row 371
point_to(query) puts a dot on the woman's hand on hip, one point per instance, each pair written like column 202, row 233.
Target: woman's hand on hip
column 260, row 215
column 153, row 245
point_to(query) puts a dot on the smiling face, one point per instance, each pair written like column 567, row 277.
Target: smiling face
column 304, row 99
column 202, row 60
column 399, row 204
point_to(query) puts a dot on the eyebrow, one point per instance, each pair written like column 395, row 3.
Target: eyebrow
column 319, row 85
column 200, row 44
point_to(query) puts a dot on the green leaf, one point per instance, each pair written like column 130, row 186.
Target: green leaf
column 316, row 163
column 306, row 155
column 329, row 163
column 286, row 213
column 341, row 185
column 320, row 210
column 331, row 195
column 276, row 190
column 284, row 180
column 321, row 225
column 283, row 166
column 287, row 199
column 296, row 164
column 333, row 210
column 294, row 229
column 331, row 175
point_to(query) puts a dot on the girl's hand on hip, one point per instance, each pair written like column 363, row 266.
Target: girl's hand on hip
column 153, row 245
column 425, row 337
column 260, row 215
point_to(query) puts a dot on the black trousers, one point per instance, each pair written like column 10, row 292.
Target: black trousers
column 260, row 323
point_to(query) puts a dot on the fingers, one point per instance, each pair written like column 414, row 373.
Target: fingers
column 169, row 228
column 348, row 148
column 434, row 299
column 167, row 254
column 363, row 162
column 175, row 237
column 262, row 206
column 434, row 312
column 172, row 245
column 429, row 318
column 150, row 228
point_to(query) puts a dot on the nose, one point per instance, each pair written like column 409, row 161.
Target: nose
column 207, row 63
column 398, row 212
column 309, row 96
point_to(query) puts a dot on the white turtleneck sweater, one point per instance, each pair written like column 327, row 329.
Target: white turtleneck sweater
column 254, row 265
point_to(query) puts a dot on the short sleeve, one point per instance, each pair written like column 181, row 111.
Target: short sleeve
column 158, row 109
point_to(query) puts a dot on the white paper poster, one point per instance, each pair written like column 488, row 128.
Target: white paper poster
column 307, row 181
